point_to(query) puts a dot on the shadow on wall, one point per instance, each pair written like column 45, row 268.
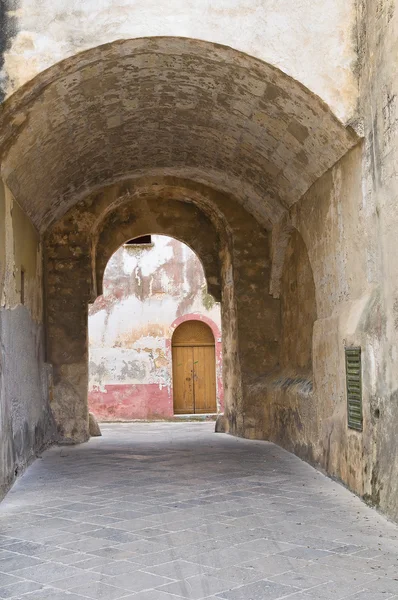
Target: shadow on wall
column 284, row 399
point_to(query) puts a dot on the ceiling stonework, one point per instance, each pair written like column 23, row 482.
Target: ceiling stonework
column 169, row 106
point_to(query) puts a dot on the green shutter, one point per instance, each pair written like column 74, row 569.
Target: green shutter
column 353, row 366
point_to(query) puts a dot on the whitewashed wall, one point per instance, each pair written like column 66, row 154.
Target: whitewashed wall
column 314, row 42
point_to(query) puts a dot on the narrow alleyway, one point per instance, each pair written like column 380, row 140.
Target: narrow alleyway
column 164, row 511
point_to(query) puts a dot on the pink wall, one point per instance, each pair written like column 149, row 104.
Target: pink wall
column 126, row 402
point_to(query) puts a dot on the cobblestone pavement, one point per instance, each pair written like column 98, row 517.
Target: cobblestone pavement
column 164, row 511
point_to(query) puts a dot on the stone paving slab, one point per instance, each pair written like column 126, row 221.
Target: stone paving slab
column 168, row 511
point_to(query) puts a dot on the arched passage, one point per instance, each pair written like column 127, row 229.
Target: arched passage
column 250, row 149
column 211, row 223
column 173, row 136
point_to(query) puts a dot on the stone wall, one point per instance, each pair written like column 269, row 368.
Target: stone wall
column 379, row 109
column 298, row 308
column 148, row 290
column 252, row 169
column 343, row 298
column 234, row 251
column 25, row 419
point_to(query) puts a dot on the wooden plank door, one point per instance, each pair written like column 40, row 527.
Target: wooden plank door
column 204, row 375
column 183, row 393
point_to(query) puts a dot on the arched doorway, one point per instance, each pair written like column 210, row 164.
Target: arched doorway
column 194, row 369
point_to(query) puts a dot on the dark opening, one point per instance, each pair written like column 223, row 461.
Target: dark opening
column 140, row 241
column 22, row 285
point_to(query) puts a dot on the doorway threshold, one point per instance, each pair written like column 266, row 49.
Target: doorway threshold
column 196, row 417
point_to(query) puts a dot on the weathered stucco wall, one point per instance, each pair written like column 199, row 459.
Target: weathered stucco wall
column 312, row 42
column 25, row 419
column 344, row 298
column 146, row 290
column 379, row 107
column 307, row 413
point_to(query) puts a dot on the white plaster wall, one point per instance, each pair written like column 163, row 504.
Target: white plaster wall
column 130, row 325
column 314, row 42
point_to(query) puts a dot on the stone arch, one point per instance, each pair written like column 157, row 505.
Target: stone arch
column 169, row 106
column 182, row 220
column 152, row 122
column 229, row 239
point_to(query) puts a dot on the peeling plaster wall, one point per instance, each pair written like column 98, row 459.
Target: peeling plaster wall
column 26, row 425
column 313, row 42
column 146, row 289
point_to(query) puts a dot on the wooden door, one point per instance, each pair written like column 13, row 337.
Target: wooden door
column 194, row 369
column 204, row 376
column 183, row 380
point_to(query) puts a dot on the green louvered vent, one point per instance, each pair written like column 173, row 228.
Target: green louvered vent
column 353, row 366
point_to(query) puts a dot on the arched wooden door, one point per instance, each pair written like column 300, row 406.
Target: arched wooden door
column 194, row 369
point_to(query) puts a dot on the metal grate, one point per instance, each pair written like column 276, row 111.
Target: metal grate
column 353, row 367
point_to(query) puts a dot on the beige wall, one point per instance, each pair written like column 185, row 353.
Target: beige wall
column 25, row 419
column 333, row 209
column 379, row 107
column 20, row 249
column 2, row 239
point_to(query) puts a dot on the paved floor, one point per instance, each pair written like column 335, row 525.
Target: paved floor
column 167, row 511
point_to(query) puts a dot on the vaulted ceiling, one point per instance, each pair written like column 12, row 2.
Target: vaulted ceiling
column 169, row 106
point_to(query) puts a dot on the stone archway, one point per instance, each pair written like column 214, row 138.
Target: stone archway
column 166, row 106
column 173, row 136
column 79, row 246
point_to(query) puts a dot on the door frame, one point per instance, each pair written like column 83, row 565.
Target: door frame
column 218, row 353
